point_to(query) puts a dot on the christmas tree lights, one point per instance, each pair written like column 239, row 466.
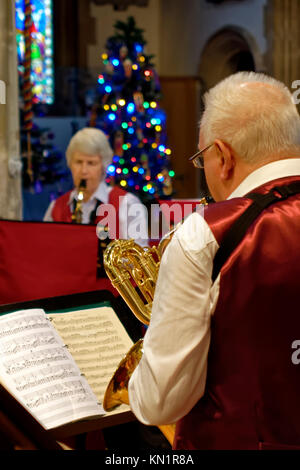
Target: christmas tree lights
column 127, row 109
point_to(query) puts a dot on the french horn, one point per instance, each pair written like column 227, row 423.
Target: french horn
column 133, row 271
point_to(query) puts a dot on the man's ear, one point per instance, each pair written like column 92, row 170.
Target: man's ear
column 226, row 159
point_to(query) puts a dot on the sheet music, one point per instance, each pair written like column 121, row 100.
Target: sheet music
column 97, row 340
column 37, row 368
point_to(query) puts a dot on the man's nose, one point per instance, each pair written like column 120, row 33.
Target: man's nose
column 84, row 168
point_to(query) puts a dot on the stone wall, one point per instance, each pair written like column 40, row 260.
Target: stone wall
column 10, row 165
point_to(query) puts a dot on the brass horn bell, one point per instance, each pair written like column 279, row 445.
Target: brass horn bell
column 133, row 271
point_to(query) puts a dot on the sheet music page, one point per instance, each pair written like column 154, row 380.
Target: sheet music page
column 37, row 368
column 97, row 340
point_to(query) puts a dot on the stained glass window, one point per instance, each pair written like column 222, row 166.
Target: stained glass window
column 42, row 75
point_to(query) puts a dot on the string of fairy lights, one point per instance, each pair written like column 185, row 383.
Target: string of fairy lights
column 130, row 114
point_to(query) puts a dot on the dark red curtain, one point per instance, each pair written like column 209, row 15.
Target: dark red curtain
column 39, row 260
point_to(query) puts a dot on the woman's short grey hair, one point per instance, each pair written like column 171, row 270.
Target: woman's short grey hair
column 90, row 141
column 255, row 114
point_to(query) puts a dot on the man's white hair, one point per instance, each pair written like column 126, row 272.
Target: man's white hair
column 255, row 114
column 90, row 141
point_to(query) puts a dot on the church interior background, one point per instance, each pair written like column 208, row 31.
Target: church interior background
column 193, row 44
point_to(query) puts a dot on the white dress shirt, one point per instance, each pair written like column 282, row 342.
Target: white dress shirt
column 171, row 376
column 132, row 213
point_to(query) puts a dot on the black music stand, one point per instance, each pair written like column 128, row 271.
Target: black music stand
column 31, row 427
column 19, row 430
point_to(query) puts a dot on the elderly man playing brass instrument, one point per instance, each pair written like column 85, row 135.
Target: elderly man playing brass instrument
column 218, row 354
column 88, row 156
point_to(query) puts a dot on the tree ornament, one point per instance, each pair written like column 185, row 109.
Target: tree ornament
column 127, row 64
column 138, row 101
column 118, row 143
column 109, row 68
column 123, row 52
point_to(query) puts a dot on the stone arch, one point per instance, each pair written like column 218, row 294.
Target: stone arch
column 229, row 50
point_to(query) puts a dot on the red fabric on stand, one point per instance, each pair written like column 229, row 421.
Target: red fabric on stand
column 39, row 260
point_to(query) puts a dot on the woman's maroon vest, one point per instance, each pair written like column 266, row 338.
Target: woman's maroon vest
column 252, row 395
column 61, row 211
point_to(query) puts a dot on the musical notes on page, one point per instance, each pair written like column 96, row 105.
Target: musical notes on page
column 38, row 369
column 97, row 341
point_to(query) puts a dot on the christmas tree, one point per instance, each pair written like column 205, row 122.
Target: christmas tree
column 43, row 165
column 126, row 107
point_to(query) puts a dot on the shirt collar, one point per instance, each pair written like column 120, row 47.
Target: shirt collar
column 101, row 194
column 266, row 173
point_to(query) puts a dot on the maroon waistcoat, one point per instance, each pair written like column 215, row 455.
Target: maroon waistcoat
column 252, row 394
column 61, row 210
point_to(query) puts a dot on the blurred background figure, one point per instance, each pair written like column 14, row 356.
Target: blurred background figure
column 88, row 155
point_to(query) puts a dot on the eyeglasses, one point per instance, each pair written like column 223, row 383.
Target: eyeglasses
column 198, row 158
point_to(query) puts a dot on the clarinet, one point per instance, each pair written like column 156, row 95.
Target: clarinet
column 77, row 213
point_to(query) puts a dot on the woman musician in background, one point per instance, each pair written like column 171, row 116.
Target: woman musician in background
column 88, row 156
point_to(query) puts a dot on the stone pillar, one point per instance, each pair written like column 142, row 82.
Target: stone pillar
column 10, row 164
column 283, row 37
